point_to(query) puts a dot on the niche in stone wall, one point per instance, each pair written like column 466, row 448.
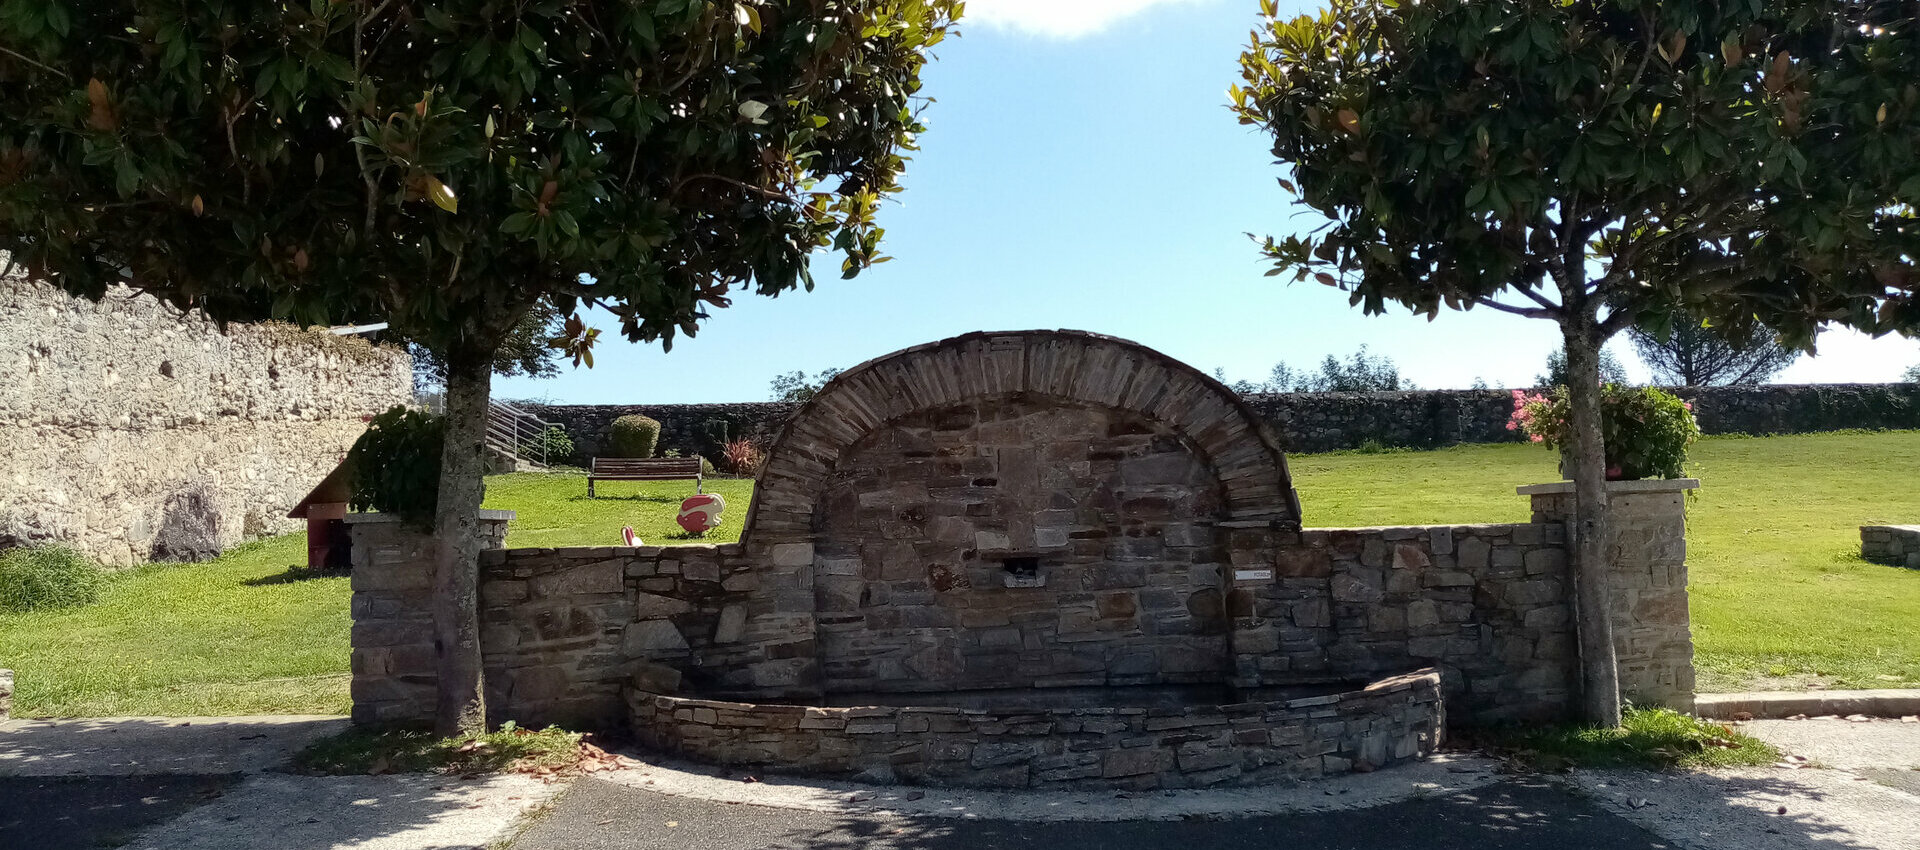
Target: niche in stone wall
column 1019, row 542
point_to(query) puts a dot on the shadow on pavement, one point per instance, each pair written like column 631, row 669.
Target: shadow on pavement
column 72, row 813
column 156, row 745
column 1514, row 815
column 1775, row 810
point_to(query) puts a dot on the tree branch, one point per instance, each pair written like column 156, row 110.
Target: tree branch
column 1529, row 312
column 47, row 68
column 1539, row 299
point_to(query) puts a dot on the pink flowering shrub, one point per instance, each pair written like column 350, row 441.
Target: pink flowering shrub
column 1646, row 431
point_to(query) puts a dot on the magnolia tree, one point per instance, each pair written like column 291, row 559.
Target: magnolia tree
column 445, row 166
column 1601, row 165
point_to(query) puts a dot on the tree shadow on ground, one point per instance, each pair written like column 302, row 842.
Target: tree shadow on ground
column 1764, row 809
column 85, row 812
column 296, row 573
column 631, row 497
column 214, row 784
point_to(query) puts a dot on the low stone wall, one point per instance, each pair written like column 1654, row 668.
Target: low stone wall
column 1318, row 422
column 1896, row 545
column 1390, row 721
column 694, row 429
column 565, row 630
column 133, row 432
column 6, row 694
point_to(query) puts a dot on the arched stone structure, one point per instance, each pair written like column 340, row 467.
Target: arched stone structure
column 1074, row 367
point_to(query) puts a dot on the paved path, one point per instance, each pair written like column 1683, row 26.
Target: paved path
column 211, row 784
column 1864, row 792
column 602, row 815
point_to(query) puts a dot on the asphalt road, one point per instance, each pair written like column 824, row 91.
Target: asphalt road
column 84, row 813
column 1513, row 815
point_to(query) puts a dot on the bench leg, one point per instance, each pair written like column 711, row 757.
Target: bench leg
column 589, row 488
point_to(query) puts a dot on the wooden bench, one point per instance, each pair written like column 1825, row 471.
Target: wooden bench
column 644, row 469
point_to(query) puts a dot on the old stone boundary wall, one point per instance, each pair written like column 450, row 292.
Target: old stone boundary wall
column 1318, row 422
column 132, row 432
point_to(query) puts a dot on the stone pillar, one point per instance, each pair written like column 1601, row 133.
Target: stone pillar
column 393, row 661
column 1652, row 632
column 6, row 694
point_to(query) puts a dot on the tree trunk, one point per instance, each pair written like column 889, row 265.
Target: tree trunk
column 462, row 703
column 1600, row 675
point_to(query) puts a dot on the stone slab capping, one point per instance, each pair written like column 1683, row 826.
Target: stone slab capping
column 1013, row 519
column 1893, row 545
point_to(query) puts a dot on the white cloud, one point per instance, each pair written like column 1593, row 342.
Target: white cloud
column 1056, row 18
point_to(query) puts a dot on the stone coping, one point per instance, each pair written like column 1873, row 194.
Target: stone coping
column 1650, row 485
column 376, row 517
column 1391, row 720
column 1912, row 529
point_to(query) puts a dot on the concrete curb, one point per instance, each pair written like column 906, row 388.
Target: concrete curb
column 1776, row 705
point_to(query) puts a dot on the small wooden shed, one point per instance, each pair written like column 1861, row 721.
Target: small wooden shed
column 325, row 510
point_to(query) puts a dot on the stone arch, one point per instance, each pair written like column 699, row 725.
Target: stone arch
column 1073, row 366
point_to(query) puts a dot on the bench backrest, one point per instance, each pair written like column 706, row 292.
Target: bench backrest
column 664, row 467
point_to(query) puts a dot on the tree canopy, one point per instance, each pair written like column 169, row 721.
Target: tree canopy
column 1604, row 164
column 1756, row 162
column 445, row 166
column 442, row 165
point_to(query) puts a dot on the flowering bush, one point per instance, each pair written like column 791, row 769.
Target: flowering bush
column 1646, row 431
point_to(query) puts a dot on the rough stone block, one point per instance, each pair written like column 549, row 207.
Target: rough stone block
column 792, row 554
column 652, row 638
column 732, row 625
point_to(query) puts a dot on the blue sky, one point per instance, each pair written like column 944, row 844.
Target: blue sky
column 1082, row 171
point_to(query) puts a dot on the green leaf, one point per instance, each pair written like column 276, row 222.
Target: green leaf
column 442, row 195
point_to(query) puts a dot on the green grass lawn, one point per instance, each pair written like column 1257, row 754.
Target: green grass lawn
column 241, row 635
column 553, row 510
column 1780, row 596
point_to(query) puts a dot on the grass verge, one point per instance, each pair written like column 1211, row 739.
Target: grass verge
column 1651, row 738
column 377, row 751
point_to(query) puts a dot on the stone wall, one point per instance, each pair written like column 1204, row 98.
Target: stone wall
column 694, row 429
column 564, row 630
column 1897, row 545
column 1318, row 422
column 129, row 430
column 927, row 520
column 1652, row 633
column 1255, row 742
column 1032, row 513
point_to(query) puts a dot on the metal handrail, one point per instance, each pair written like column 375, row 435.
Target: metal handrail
column 515, row 431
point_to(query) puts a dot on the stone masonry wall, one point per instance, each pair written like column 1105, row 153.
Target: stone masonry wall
column 564, row 630
column 130, row 431
column 1391, row 721
column 923, row 521
column 1652, row 636
column 1318, row 422
column 1898, row 545
column 1035, row 513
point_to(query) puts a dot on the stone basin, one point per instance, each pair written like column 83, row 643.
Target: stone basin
column 1152, row 738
